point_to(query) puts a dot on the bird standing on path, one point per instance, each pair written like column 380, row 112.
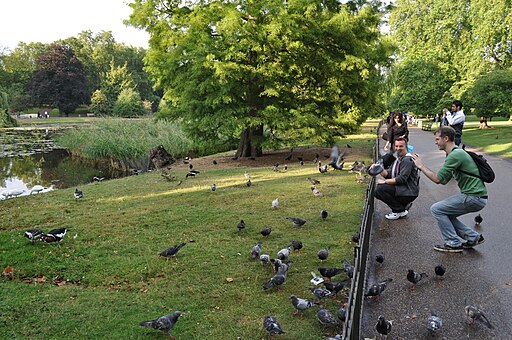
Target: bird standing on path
column 439, row 270
column 474, row 313
column 375, row 290
column 434, row 322
column 380, row 258
column 164, row 323
column 383, row 327
column 415, row 277
column 478, row 220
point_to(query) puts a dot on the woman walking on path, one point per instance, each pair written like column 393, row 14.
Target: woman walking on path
column 396, row 128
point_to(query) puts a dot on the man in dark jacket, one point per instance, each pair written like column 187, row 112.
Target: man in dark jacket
column 400, row 185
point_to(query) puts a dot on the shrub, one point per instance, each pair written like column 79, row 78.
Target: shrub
column 128, row 104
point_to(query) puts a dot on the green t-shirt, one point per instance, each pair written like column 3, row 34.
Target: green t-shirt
column 459, row 159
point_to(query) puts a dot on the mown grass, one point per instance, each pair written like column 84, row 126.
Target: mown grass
column 497, row 139
column 102, row 283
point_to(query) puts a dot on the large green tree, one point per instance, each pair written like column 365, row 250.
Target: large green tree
column 248, row 68
column 60, row 80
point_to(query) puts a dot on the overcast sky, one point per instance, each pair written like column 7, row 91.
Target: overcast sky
column 49, row 20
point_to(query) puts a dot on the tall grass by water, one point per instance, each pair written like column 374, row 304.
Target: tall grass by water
column 125, row 140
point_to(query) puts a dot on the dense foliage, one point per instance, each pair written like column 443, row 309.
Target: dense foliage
column 128, row 104
column 253, row 70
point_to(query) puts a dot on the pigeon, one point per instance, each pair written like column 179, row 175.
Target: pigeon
column 248, row 183
column 383, row 327
column 336, row 337
column 342, row 313
column 376, row 168
column 336, row 286
column 285, row 167
column 375, row 290
column 439, row 270
column 323, row 214
column 355, row 237
column 265, row 259
column 326, row 318
column 320, row 292
column 275, row 203
column 213, row 187
column 276, row 263
column 289, row 157
column 241, row 225
column 380, row 258
column 296, row 245
column 434, row 322
column 282, row 268
column 297, row 221
column 348, row 267
column 78, row 194
column 336, row 158
column 330, row 272
column 313, row 181
column 266, row 231
column 164, row 323
column 272, row 326
column 54, row 235
column 98, row 179
column 275, row 167
column 478, row 220
column 191, row 174
column 322, row 169
column 284, row 253
column 246, row 175
column 275, row 281
column 172, row 251
column 415, row 277
column 323, row 254
column 256, row 251
column 302, row 304
column 191, row 166
column 474, row 313
column 215, row 162
column 34, row 234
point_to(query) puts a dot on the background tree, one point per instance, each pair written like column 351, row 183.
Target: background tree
column 100, row 104
column 59, row 81
column 114, row 81
column 257, row 69
column 128, row 104
column 5, row 118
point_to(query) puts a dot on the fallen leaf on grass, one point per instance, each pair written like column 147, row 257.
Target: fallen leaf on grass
column 8, row 272
column 41, row 278
column 60, row 283
column 229, row 279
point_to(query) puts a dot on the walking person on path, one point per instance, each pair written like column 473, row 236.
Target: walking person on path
column 396, row 128
column 456, row 120
column 472, row 196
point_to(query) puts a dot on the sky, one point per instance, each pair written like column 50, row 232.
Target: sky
column 49, row 20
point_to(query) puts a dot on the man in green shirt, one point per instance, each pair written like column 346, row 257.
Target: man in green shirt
column 472, row 196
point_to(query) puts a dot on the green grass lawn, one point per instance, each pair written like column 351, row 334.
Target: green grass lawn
column 106, row 276
column 497, row 139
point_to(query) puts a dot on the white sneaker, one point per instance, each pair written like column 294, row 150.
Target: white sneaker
column 396, row 216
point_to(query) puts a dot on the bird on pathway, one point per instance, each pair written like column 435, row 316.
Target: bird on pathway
column 266, row 231
column 439, row 270
column 275, row 203
column 34, row 234
column 256, row 251
column 320, row 292
column 323, row 254
column 248, row 183
column 164, row 323
column 265, row 259
column 297, row 221
column 78, row 194
column 54, row 235
column 213, row 187
column 383, row 327
column 415, row 277
column 380, row 258
column 434, row 322
column 296, row 244
column 241, row 225
column 284, row 253
column 474, row 313
column 272, row 326
column 478, row 220
column 172, row 251
column 313, row 181
column 302, row 304
column 330, row 272
column 275, row 281
column 375, row 290
column 348, row 267
column 323, row 214
column 37, row 189
column 355, row 237
column 326, row 318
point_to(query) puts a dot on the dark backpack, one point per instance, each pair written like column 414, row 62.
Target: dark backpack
column 486, row 173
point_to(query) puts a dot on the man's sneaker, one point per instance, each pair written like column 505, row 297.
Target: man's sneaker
column 471, row 244
column 396, row 216
column 448, row 249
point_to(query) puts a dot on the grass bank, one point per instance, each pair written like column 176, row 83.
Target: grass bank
column 106, row 276
column 497, row 139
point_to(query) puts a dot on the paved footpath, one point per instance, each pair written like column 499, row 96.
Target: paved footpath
column 482, row 276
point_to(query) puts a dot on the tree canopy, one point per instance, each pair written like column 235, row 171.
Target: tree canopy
column 256, row 69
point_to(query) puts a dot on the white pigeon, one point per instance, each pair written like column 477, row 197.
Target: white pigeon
column 275, row 203
column 284, row 253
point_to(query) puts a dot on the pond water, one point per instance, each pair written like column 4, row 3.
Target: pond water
column 30, row 158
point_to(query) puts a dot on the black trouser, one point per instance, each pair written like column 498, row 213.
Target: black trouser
column 387, row 194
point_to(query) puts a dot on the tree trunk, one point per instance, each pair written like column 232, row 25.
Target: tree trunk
column 250, row 142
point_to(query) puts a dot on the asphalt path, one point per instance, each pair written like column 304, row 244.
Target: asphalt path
column 481, row 276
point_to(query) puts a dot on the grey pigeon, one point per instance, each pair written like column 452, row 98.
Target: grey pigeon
column 284, row 253
column 474, row 313
column 256, row 251
column 313, row 181
column 302, row 304
column 266, row 231
column 296, row 245
column 172, row 251
column 434, row 322
column 265, row 259
column 330, row 272
column 323, row 254
column 415, row 277
column 336, row 286
column 336, row 158
column 379, row 258
column 326, row 318
column 272, row 326
column 348, row 267
column 283, row 267
column 241, row 225
column 275, row 281
column 439, row 270
column 383, row 327
column 297, row 221
column 376, row 168
column 355, row 237
column 276, row 263
column 164, row 323
column 34, row 234
column 375, row 290
column 342, row 313
column 323, row 214
column 320, row 292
